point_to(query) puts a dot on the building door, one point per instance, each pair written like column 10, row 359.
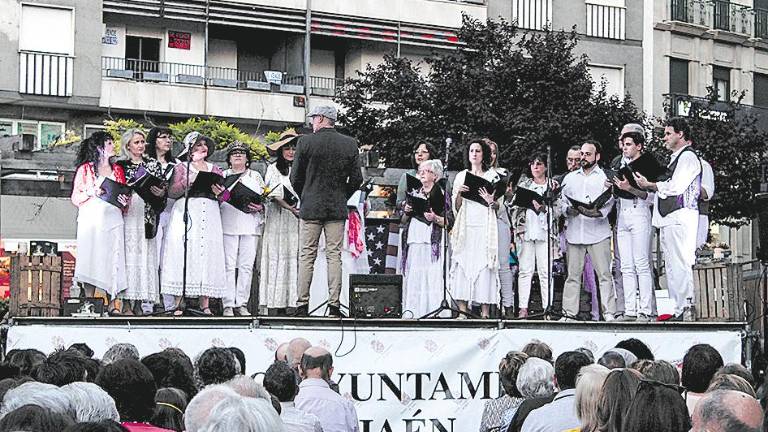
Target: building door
column 142, row 54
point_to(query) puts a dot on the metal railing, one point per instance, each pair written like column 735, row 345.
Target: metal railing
column 46, row 74
column 606, row 21
column 324, row 86
column 718, row 15
column 532, row 14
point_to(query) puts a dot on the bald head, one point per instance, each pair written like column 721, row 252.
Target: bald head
column 296, row 348
column 317, row 362
column 281, row 353
column 727, row 411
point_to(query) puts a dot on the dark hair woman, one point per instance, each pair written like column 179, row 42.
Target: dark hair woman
column 170, row 404
column 100, row 236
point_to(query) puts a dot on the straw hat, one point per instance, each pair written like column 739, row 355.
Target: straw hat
column 285, row 138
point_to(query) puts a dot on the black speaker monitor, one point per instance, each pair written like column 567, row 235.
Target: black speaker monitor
column 375, row 296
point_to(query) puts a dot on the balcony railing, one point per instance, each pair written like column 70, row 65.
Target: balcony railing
column 45, row 74
column 532, row 14
column 719, row 15
column 213, row 76
column 684, row 105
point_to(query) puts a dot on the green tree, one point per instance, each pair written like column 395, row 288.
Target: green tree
column 526, row 91
column 222, row 133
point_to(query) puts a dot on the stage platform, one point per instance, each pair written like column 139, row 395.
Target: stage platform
column 397, row 371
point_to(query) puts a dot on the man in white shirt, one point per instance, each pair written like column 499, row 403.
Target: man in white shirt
column 588, row 232
column 336, row 413
column 280, row 381
column 676, row 213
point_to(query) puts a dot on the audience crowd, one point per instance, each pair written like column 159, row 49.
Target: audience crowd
column 624, row 390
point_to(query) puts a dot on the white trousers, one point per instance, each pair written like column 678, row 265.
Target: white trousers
column 703, row 230
column 505, row 274
column 239, row 255
column 678, row 242
column 533, row 256
column 632, row 232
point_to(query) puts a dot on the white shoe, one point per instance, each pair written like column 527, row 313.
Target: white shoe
column 644, row 318
column 243, row 311
column 626, row 318
column 608, row 317
column 228, row 312
column 565, row 319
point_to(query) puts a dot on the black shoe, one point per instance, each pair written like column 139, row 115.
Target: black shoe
column 301, row 311
column 334, row 311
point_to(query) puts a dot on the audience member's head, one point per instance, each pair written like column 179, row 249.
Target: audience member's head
column 316, row 363
column 92, row 368
column 731, row 382
column 738, row 370
column 216, row 366
column 170, row 404
column 280, row 380
column 636, row 347
column 182, row 357
column 132, row 387
column 612, row 360
column 296, row 349
column 199, row 408
column 168, row 370
column 33, row 418
column 587, row 352
column 627, row 355
column 700, row 364
column 588, row 384
column 8, row 370
column 240, row 356
column 658, row 370
column 61, row 368
column 509, row 367
column 26, row 360
column 90, row 402
column 657, row 407
column 536, row 378
column 726, row 411
column 537, row 348
column 618, row 390
column 120, row 351
column 83, row 348
column 102, row 426
column 281, row 353
column 44, row 395
column 567, row 367
column 247, row 387
column 244, row 414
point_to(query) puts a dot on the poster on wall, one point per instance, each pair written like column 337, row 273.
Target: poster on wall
column 110, row 37
column 179, row 40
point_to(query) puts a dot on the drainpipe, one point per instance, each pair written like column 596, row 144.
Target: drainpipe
column 307, row 59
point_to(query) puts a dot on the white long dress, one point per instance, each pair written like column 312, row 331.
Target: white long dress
column 474, row 273
column 423, row 273
column 140, row 255
column 205, row 246
column 278, row 282
column 100, row 238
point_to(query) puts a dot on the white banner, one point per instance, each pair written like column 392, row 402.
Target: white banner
column 401, row 379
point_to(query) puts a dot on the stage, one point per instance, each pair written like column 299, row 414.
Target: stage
column 400, row 373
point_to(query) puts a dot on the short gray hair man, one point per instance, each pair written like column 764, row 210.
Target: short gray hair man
column 90, row 402
column 200, row 408
column 247, row 387
column 536, row 378
column 296, row 348
column 120, row 351
column 244, row 414
column 41, row 394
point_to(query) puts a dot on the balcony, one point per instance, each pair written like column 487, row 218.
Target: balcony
column 684, row 105
column 199, row 90
column 45, row 74
column 720, row 15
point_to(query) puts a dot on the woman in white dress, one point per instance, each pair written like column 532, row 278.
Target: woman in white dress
column 140, row 226
column 530, row 226
column 100, row 238
column 242, row 232
column 278, row 283
column 422, row 247
column 205, row 275
column 474, row 238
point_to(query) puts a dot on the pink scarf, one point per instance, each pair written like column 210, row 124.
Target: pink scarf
column 353, row 234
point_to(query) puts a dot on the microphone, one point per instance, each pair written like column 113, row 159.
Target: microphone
column 448, row 142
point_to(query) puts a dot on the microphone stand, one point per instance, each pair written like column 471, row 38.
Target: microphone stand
column 444, row 304
column 183, row 302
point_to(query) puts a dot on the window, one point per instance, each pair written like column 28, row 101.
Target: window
column 89, row 129
column 613, row 77
column 606, row 19
column 49, row 133
column 678, row 76
column 761, row 90
column 142, row 53
column 721, row 81
column 532, row 14
column 47, row 29
column 6, row 128
column 45, row 133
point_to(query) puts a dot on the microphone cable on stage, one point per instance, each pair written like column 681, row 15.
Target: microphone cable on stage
column 341, row 342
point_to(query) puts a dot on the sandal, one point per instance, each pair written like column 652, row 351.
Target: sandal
column 178, row 312
column 114, row 312
column 207, row 312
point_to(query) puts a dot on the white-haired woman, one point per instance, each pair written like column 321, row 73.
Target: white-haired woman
column 536, row 379
column 90, row 402
column 141, row 220
column 422, row 245
column 589, row 383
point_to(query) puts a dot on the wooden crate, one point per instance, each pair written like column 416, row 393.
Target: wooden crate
column 719, row 291
column 35, row 286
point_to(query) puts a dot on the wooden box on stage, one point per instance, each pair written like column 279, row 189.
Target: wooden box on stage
column 35, row 286
column 719, row 291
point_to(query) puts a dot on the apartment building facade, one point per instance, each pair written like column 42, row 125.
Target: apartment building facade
column 65, row 64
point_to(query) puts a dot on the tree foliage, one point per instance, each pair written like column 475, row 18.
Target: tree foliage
column 727, row 136
column 526, row 91
column 222, row 133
